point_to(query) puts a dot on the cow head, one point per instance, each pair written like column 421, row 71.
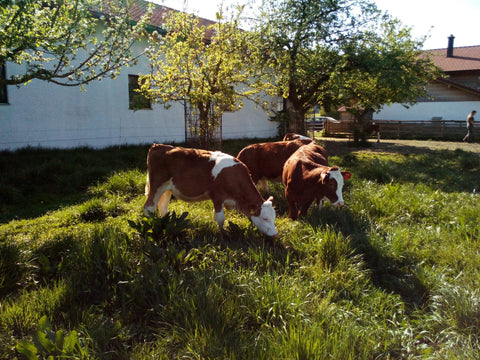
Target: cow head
column 265, row 221
column 293, row 136
column 333, row 179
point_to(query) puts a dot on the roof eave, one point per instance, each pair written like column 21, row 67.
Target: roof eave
column 458, row 86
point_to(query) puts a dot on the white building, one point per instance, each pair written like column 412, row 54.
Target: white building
column 451, row 97
column 42, row 114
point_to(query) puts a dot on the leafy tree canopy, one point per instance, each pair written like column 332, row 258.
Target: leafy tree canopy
column 204, row 64
column 382, row 68
column 56, row 40
column 339, row 52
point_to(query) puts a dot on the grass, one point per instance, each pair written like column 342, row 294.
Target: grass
column 392, row 275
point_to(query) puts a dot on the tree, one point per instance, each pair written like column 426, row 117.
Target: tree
column 206, row 65
column 329, row 52
column 56, row 40
column 384, row 67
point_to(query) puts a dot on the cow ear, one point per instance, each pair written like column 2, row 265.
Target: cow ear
column 346, row 175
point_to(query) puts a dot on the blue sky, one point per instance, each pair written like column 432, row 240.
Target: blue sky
column 436, row 18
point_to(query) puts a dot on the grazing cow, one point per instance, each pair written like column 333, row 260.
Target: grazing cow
column 293, row 136
column 374, row 128
column 265, row 160
column 196, row 175
column 307, row 177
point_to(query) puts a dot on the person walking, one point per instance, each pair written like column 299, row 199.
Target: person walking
column 470, row 121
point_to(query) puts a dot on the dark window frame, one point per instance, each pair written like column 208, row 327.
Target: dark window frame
column 3, row 87
column 136, row 101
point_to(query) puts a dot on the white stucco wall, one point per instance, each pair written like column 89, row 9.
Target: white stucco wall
column 427, row 110
column 249, row 122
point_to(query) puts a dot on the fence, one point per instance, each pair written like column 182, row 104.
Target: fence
column 398, row 129
column 315, row 126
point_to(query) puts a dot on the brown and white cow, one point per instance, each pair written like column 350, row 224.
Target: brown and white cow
column 196, row 175
column 307, row 177
column 265, row 160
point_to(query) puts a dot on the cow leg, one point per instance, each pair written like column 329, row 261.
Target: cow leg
column 304, row 208
column 162, row 204
column 220, row 217
column 320, row 205
column 219, row 213
column 292, row 208
column 262, row 184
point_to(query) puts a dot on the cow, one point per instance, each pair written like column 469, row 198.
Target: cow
column 265, row 160
column 196, row 175
column 374, row 128
column 293, row 136
column 307, row 177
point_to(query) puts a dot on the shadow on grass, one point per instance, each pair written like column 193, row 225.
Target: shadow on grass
column 35, row 181
column 387, row 273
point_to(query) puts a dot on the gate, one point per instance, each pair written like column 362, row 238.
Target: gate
column 206, row 135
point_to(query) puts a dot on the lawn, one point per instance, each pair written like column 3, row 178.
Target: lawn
column 394, row 274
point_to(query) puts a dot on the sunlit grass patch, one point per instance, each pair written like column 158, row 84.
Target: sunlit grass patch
column 391, row 275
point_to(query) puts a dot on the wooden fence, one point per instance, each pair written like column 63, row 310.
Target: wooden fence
column 399, row 129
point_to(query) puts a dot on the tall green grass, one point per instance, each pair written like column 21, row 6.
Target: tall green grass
column 392, row 275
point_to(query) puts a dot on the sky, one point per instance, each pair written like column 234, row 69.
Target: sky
column 438, row 19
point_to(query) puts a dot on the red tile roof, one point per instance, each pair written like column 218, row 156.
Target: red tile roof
column 160, row 12
column 464, row 58
column 138, row 8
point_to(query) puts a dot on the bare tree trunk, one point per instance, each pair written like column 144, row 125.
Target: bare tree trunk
column 296, row 118
column 203, row 119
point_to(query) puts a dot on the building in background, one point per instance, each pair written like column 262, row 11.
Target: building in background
column 451, row 97
column 109, row 112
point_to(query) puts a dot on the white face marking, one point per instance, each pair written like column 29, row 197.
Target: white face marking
column 337, row 175
column 302, row 137
column 222, row 161
column 266, row 221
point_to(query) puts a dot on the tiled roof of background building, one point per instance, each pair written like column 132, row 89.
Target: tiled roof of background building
column 464, row 58
column 160, row 12
column 138, row 8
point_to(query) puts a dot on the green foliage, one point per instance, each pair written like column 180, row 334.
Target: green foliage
column 391, row 275
column 341, row 52
column 14, row 268
column 128, row 184
column 208, row 66
column 48, row 344
column 56, row 40
column 159, row 228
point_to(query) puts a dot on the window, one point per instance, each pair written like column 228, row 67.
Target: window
column 3, row 87
column 136, row 100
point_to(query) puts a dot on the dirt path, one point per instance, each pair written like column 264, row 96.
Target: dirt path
column 338, row 146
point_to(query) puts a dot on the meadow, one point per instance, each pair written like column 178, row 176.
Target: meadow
column 394, row 274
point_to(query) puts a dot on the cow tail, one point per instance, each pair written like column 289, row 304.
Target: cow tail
column 147, row 185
